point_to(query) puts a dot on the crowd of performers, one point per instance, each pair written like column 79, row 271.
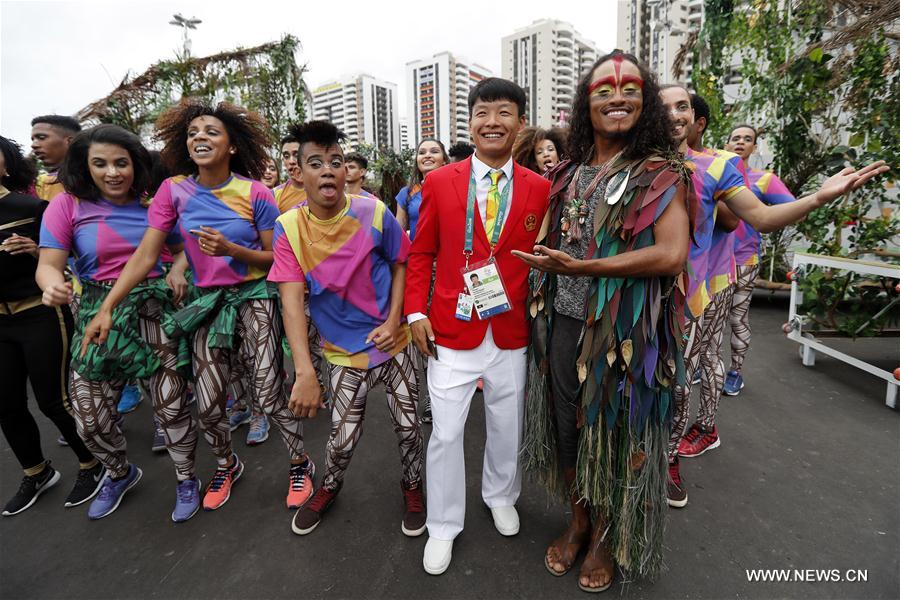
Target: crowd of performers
column 583, row 302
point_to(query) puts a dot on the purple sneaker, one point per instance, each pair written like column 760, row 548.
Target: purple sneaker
column 187, row 500
column 111, row 493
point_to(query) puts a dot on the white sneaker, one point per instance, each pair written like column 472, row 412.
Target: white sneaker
column 506, row 519
column 437, row 555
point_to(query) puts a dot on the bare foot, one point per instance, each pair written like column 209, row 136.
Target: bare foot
column 598, row 568
column 564, row 550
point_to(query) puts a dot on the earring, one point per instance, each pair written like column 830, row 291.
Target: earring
column 232, row 151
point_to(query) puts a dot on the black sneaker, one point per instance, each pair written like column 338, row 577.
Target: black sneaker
column 32, row 486
column 87, row 484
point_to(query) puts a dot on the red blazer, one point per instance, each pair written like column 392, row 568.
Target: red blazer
column 440, row 235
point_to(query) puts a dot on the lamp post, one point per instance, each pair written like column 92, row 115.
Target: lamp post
column 185, row 24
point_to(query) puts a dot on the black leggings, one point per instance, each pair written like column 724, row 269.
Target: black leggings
column 563, row 355
column 34, row 344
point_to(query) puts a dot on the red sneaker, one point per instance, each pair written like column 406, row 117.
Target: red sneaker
column 414, row 518
column 676, row 495
column 698, row 443
column 301, row 487
column 219, row 490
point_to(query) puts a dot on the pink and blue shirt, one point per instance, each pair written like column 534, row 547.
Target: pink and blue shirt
column 715, row 179
column 347, row 269
column 721, row 271
column 240, row 209
column 100, row 235
column 771, row 190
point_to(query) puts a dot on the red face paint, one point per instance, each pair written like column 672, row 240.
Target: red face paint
column 619, row 81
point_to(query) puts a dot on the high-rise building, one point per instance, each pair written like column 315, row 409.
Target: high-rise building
column 547, row 58
column 655, row 30
column 404, row 133
column 363, row 107
column 438, row 97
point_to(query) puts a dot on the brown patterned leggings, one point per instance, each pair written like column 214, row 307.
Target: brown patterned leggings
column 260, row 354
column 711, row 358
column 682, row 394
column 94, row 405
column 349, row 389
column 739, row 316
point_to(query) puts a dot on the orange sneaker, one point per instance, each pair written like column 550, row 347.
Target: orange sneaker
column 301, row 486
column 219, row 489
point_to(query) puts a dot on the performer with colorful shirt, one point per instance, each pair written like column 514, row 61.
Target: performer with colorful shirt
column 226, row 219
column 608, row 325
column 99, row 220
column 716, row 180
column 771, row 190
column 720, row 279
column 350, row 252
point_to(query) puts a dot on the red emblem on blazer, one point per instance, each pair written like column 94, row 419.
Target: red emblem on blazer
column 530, row 222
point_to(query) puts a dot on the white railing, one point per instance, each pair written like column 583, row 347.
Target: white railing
column 809, row 345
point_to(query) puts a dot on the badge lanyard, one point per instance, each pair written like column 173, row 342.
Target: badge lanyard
column 470, row 217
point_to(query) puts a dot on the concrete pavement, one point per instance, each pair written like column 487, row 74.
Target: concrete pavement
column 807, row 477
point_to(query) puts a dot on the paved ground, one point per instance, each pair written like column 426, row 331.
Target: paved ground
column 808, row 477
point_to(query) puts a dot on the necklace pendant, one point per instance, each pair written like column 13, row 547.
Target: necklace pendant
column 616, row 187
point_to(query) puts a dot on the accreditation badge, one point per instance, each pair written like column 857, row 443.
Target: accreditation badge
column 485, row 286
column 464, row 306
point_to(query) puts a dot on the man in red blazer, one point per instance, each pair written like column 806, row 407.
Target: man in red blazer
column 473, row 214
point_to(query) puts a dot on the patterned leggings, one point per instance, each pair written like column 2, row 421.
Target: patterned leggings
column 739, row 316
column 682, row 394
column 711, row 358
column 94, row 405
column 350, row 388
column 241, row 384
column 259, row 331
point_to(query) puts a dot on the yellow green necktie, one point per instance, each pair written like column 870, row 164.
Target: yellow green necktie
column 493, row 205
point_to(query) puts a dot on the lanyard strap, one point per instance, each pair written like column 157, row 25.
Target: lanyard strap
column 470, row 216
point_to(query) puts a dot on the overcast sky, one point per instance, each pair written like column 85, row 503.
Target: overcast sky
column 57, row 57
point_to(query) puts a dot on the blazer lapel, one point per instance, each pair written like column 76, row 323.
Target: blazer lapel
column 461, row 185
column 521, row 189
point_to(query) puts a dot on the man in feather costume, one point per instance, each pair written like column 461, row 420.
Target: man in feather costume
column 608, row 324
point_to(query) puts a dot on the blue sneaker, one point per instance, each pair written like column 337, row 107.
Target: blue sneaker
column 259, row 429
column 111, row 493
column 698, row 376
column 236, row 418
column 129, row 400
column 734, row 383
column 187, row 500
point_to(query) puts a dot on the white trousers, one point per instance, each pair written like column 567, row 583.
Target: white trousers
column 452, row 382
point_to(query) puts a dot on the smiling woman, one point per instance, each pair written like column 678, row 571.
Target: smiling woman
column 226, row 219
column 100, row 220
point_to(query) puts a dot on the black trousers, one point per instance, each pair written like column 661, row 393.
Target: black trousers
column 34, row 345
column 563, row 354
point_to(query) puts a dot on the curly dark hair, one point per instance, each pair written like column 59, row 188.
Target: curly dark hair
column 530, row 137
column 247, row 132
column 20, row 172
column 652, row 134
column 75, row 174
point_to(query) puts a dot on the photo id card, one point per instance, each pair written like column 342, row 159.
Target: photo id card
column 485, row 285
column 464, row 307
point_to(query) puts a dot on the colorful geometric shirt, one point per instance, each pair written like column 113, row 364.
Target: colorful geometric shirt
column 410, row 202
column 715, row 179
column 100, row 235
column 771, row 190
column 288, row 195
column 346, row 265
column 239, row 209
column 721, row 271
column 48, row 186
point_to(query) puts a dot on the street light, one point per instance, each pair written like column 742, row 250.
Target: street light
column 185, row 24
